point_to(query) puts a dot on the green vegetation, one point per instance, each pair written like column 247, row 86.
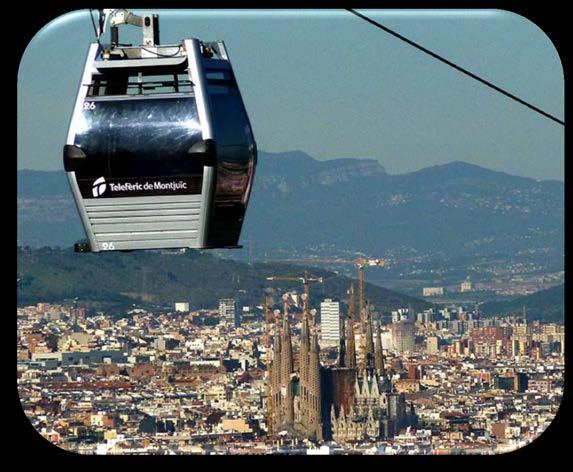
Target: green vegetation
column 162, row 278
column 546, row 304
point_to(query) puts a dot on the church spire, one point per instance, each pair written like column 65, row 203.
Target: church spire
column 342, row 344
column 379, row 356
column 274, row 381
column 276, row 359
column 351, row 343
column 304, row 349
column 287, row 368
column 314, row 389
column 369, row 351
column 287, row 364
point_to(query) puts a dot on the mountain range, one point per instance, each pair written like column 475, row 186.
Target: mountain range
column 302, row 206
column 458, row 209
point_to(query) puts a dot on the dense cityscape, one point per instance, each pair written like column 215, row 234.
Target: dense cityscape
column 286, row 378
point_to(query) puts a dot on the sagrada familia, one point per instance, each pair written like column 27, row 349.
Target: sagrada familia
column 347, row 402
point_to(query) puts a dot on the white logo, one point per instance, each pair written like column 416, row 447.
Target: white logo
column 99, row 187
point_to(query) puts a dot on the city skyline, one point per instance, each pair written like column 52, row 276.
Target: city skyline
column 198, row 383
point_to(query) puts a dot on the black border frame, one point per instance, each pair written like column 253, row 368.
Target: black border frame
column 27, row 19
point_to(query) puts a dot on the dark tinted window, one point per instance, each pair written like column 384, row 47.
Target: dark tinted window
column 139, row 137
column 233, row 174
column 236, row 155
column 231, row 123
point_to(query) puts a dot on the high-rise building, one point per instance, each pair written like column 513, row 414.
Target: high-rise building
column 330, row 321
column 229, row 311
column 404, row 336
column 386, row 337
column 432, row 345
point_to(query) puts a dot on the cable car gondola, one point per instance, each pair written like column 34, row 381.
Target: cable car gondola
column 160, row 152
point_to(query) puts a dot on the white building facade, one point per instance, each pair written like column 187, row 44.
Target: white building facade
column 330, row 320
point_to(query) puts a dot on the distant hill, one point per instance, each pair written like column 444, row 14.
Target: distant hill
column 303, row 206
column 546, row 304
column 47, row 214
column 457, row 209
column 160, row 278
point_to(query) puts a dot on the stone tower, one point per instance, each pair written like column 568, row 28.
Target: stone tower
column 342, row 344
column 286, row 371
column 314, row 413
column 369, row 343
column 378, row 355
column 351, row 340
column 303, row 392
column 274, row 380
column 295, row 398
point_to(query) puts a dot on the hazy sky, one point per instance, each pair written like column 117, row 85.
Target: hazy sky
column 329, row 84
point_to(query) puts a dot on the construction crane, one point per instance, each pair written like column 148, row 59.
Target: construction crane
column 306, row 278
column 361, row 263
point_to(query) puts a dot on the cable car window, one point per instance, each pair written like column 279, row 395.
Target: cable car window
column 137, row 83
column 135, row 137
column 235, row 159
column 231, row 123
column 232, row 180
column 217, row 75
column 220, row 77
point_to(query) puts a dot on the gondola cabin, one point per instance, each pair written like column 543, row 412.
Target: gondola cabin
column 160, row 152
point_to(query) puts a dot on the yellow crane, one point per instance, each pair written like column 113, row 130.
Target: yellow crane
column 306, row 278
column 361, row 263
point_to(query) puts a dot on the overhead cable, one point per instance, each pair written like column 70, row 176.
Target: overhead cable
column 455, row 66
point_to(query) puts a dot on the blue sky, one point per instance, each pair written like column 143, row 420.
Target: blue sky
column 331, row 85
